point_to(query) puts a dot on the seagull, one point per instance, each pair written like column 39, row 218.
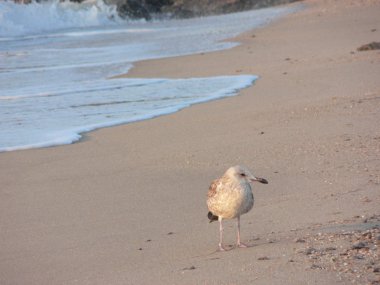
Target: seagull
column 230, row 197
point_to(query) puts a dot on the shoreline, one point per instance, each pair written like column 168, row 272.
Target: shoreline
column 76, row 135
column 69, row 127
column 148, row 68
column 131, row 199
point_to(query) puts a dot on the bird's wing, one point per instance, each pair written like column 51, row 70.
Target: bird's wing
column 213, row 189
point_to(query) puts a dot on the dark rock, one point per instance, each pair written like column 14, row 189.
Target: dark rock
column 139, row 9
column 155, row 6
column 263, row 258
column 189, row 268
column 316, row 266
column 370, row 46
column 134, row 9
column 330, row 248
column 147, row 9
column 310, row 250
column 359, row 245
column 196, row 8
column 301, row 240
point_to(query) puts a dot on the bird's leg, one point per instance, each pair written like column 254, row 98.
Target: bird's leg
column 221, row 248
column 239, row 243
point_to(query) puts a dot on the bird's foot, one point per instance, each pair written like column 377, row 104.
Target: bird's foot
column 242, row 245
column 222, row 248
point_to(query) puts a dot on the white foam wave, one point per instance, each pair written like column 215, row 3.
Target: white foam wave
column 57, row 122
column 54, row 84
column 49, row 16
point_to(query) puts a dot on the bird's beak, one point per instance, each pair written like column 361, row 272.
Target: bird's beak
column 258, row 179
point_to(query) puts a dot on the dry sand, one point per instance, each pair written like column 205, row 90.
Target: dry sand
column 126, row 205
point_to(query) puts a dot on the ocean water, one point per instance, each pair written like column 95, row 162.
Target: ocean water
column 57, row 60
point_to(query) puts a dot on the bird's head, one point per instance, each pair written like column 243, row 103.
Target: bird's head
column 241, row 173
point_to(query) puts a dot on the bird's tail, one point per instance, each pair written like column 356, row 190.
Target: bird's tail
column 212, row 217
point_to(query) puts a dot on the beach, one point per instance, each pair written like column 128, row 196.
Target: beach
column 127, row 204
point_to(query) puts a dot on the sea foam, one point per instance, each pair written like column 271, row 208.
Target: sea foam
column 50, row 16
column 43, row 121
column 57, row 58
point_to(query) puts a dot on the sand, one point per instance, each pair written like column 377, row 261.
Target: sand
column 127, row 204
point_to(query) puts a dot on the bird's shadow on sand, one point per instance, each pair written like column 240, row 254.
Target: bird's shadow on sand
column 233, row 248
column 249, row 245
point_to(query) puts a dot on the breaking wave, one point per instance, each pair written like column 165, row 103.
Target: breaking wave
column 54, row 15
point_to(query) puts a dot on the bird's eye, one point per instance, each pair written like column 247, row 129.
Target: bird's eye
column 242, row 174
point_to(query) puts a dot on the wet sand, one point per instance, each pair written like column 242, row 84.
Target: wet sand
column 126, row 205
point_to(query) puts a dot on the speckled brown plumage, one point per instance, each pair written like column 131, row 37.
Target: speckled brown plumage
column 231, row 196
